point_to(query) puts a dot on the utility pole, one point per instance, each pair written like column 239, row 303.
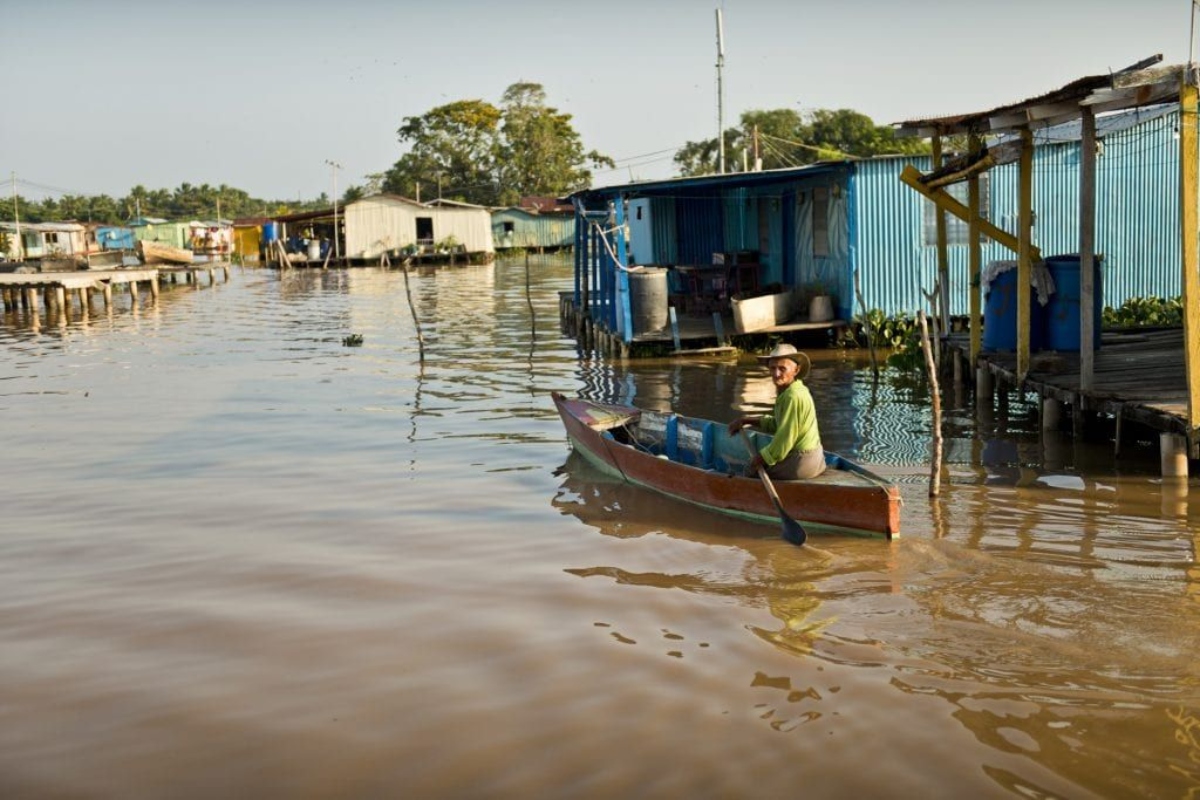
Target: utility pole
column 337, row 249
column 17, row 217
column 720, row 95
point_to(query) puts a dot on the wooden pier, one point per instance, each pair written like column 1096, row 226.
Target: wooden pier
column 55, row 291
column 1138, row 378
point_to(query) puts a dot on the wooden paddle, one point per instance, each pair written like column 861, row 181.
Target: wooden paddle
column 792, row 530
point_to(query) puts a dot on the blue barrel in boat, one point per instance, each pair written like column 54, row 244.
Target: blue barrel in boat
column 1063, row 312
column 268, row 232
column 1000, row 314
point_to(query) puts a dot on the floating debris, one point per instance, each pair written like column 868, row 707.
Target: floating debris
column 353, row 340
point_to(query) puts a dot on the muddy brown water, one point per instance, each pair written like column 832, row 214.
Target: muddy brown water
column 240, row 558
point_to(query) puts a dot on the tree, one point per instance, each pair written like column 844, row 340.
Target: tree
column 452, row 151
column 540, row 153
column 473, row 151
column 787, row 139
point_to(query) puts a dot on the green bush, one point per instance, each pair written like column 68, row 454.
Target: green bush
column 1143, row 312
column 899, row 333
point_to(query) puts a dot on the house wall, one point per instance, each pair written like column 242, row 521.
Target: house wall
column 378, row 224
column 532, row 230
column 1137, row 207
column 115, row 238
column 175, row 234
column 1137, row 219
column 772, row 219
column 470, row 227
column 247, row 241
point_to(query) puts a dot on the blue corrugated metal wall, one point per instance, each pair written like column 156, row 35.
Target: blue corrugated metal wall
column 532, row 230
column 1138, row 213
column 1137, row 219
column 662, row 221
column 700, row 227
column 892, row 262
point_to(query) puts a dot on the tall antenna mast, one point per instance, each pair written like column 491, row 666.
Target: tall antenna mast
column 17, row 217
column 720, row 94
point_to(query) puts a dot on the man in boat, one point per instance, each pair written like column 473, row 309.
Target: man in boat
column 795, row 451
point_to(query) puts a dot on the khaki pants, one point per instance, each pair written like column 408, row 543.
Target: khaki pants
column 798, row 465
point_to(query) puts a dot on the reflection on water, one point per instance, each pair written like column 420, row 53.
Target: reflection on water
column 240, row 558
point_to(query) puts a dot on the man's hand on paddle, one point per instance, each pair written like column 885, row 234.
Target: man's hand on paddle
column 740, row 423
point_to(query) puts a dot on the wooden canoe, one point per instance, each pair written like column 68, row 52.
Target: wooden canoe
column 697, row 461
column 149, row 252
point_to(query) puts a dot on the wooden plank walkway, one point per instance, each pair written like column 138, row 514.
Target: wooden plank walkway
column 1138, row 375
column 55, row 289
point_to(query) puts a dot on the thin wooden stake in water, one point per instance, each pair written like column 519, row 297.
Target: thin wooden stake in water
column 384, row 262
column 413, row 309
column 935, row 469
column 867, row 325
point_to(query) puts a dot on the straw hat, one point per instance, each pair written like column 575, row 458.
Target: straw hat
column 788, row 351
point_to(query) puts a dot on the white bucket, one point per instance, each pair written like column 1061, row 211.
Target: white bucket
column 314, row 249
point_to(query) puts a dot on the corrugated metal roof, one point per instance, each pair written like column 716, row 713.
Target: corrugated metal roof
column 1135, row 86
column 1106, row 124
column 730, row 180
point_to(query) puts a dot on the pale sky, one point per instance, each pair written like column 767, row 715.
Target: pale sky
column 102, row 96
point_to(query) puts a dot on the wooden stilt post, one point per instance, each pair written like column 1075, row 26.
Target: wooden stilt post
column 1051, row 414
column 1024, row 252
column 674, row 327
column 943, row 254
column 974, row 260
column 1117, row 435
column 1173, row 455
column 1087, row 247
column 1189, row 185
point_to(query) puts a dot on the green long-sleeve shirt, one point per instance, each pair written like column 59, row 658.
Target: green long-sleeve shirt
column 793, row 424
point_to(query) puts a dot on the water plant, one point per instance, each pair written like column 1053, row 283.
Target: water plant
column 1144, row 312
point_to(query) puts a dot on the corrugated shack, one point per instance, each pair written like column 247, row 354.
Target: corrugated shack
column 717, row 236
column 386, row 223
column 153, row 229
column 537, row 223
column 823, row 224
column 44, row 240
column 110, row 237
column 248, row 237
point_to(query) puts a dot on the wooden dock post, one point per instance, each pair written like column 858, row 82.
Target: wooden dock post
column 1087, row 246
column 974, row 258
column 983, row 388
column 1051, row 414
column 1173, row 451
column 1025, row 251
column 1189, row 186
column 942, row 319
